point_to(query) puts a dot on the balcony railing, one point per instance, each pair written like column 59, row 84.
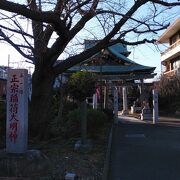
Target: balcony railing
column 170, row 73
column 171, row 47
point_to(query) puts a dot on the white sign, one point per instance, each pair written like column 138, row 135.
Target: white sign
column 17, row 111
column 155, row 106
column 95, row 101
column 115, row 102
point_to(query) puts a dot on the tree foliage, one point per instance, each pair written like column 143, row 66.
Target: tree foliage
column 82, row 85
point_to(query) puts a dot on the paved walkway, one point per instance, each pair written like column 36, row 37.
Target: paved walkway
column 143, row 151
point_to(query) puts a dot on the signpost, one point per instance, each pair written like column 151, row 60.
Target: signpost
column 17, row 111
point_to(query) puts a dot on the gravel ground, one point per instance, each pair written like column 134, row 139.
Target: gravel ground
column 55, row 158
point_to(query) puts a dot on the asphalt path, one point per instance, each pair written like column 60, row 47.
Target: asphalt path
column 143, row 151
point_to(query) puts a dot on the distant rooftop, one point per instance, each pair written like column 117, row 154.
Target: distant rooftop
column 3, row 72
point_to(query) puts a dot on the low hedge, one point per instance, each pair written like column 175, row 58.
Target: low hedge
column 95, row 121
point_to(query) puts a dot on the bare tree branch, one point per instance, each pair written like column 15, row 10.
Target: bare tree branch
column 89, row 15
column 138, row 42
column 168, row 4
column 61, row 43
column 48, row 17
column 17, row 47
column 16, row 31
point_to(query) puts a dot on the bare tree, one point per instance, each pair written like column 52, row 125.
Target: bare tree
column 57, row 24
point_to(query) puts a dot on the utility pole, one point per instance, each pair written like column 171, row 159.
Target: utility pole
column 8, row 60
column 40, row 6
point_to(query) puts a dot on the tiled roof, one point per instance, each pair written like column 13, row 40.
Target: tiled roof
column 111, row 69
column 118, row 50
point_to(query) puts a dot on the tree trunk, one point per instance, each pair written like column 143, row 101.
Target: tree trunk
column 41, row 103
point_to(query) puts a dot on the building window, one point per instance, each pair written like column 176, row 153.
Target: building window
column 174, row 39
column 176, row 64
column 167, row 66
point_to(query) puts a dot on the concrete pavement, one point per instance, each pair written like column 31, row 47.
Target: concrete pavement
column 143, row 151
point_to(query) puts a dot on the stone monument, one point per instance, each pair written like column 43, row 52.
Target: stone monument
column 17, row 111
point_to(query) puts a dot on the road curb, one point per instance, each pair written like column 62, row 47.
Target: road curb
column 108, row 154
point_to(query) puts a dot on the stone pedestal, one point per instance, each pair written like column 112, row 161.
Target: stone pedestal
column 135, row 109
column 13, row 164
column 146, row 113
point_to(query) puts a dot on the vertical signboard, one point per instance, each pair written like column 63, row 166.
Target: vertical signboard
column 115, row 102
column 17, row 111
column 155, row 106
column 125, row 106
column 95, row 101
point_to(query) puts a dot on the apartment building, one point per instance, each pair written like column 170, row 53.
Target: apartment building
column 170, row 58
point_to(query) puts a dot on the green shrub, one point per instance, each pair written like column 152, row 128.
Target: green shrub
column 109, row 113
column 95, row 120
column 69, row 106
column 58, row 122
column 81, row 85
